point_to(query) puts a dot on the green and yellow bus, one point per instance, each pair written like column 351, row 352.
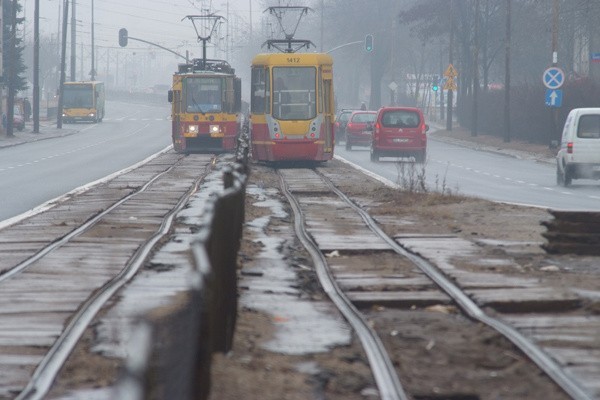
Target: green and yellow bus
column 83, row 101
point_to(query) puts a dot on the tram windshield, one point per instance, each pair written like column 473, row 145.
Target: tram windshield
column 294, row 93
column 203, row 94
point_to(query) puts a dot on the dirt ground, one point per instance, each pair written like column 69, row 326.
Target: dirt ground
column 429, row 347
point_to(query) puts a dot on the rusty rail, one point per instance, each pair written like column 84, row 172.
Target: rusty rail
column 573, row 232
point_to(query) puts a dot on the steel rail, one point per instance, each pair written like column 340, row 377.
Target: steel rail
column 51, row 364
column 384, row 372
column 76, row 232
column 531, row 350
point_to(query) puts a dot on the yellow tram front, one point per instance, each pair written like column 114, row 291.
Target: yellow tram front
column 291, row 110
column 206, row 105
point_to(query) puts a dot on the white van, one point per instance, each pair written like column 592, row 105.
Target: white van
column 579, row 154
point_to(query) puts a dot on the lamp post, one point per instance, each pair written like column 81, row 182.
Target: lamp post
column 62, row 64
column 36, row 68
column 93, row 71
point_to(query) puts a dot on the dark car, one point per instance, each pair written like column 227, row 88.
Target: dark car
column 340, row 124
column 399, row 132
column 356, row 133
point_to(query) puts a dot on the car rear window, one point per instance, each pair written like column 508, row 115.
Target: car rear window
column 589, row 127
column 400, row 119
column 363, row 117
column 344, row 116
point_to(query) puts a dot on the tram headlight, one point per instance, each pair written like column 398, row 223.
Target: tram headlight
column 193, row 128
column 214, row 129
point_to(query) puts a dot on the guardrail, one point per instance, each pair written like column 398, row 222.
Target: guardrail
column 173, row 346
column 573, row 232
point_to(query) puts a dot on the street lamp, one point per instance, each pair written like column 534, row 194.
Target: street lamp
column 93, row 71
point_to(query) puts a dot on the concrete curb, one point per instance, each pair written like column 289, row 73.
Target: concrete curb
column 521, row 155
column 48, row 130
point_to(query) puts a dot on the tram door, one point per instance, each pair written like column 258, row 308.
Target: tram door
column 328, row 108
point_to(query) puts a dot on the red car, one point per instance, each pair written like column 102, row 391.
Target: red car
column 356, row 133
column 399, row 132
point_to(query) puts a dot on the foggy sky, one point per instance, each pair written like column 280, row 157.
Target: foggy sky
column 158, row 21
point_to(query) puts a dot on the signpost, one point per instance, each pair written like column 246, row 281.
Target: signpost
column 554, row 97
column 553, row 79
column 450, row 74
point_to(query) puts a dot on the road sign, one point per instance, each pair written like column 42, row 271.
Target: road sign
column 553, row 77
column 554, row 97
column 450, row 72
column 393, row 86
column 450, row 84
column 595, row 58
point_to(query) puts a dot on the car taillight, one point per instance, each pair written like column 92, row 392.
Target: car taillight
column 377, row 129
column 349, row 125
column 337, row 124
column 570, row 148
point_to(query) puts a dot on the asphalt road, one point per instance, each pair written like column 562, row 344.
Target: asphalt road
column 489, row 175
column 36, row 172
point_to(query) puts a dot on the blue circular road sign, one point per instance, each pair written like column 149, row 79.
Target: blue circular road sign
column 553, row 77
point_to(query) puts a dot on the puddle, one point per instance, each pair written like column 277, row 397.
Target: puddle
column 302, row 326
column 90, row 394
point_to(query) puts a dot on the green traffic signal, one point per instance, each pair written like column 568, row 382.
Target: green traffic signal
column 435, row 86
column 369, row 43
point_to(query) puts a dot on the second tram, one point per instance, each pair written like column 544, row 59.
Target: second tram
column 206, row 107
column 292, row 107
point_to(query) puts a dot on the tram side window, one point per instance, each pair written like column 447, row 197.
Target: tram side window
column 229, row 103
column 259, row 88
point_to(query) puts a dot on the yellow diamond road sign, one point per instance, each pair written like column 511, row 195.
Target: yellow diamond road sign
column 450, row 84
column 451, row 72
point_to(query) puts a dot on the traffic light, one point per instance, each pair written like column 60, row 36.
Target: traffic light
column 369, row 43
column 435, row 83
column 122, row 37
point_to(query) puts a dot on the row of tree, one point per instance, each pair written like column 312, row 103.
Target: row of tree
column 412, row 43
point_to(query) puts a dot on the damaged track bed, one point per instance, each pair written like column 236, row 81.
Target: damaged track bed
column 413, row 309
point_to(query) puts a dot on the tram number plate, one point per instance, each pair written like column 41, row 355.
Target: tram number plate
column 218, row 134
column 190, row 134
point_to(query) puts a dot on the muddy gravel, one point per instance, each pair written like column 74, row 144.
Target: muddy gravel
column 440, row 353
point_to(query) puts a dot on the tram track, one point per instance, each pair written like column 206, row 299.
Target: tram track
column 305, row 188
column 138, row 218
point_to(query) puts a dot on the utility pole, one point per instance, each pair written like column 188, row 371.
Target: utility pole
column 250, row 4
column 554, row 110
column 507, row 75
column 475, row 71
column 450, row 61
column 62, row 64
column 93, row 71
column 73, row 40
column 1, row 59
column 36, row 68
column 322, row 22
column 11, row 75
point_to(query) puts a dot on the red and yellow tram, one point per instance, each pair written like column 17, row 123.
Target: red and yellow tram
column 206, row 107
column 292, row 106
